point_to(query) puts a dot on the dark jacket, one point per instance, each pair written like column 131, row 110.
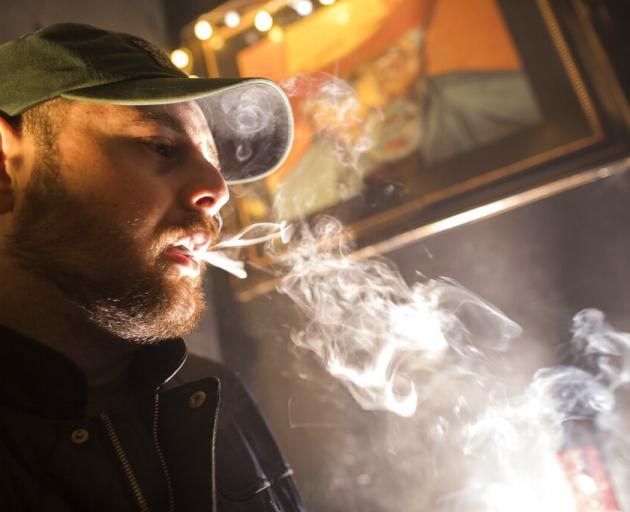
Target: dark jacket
column 190, row 440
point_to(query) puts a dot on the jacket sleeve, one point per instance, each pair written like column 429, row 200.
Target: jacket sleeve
column 251, row 473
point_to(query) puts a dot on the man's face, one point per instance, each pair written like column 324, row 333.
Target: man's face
column 108, row 210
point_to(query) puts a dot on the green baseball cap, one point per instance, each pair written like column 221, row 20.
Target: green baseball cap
column 250, row 118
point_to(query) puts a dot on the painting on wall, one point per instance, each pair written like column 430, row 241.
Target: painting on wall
column 406, row 108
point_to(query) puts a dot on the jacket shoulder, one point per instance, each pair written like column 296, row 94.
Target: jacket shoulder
column 251, row 470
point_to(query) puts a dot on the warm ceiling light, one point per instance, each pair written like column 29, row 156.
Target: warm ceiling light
column 303, row 7
column 180, row 57
column 203, row 30
column 263, row 21
column 232, row 19
column 326, row 2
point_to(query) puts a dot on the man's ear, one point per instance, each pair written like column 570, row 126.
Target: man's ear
column 8, row 138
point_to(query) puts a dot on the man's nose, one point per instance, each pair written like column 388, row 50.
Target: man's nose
column 206, row 191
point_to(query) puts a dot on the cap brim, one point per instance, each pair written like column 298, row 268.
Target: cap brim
column 250, row 118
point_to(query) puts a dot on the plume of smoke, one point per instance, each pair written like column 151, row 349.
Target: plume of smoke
column 394, row 346
column 375, row 332
column 334, row 110
column 517, row 439
column 247, row 113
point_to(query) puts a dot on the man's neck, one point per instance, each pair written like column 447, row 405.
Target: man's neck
column 40, row 311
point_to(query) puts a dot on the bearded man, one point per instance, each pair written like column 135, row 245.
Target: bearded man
column 113, row 169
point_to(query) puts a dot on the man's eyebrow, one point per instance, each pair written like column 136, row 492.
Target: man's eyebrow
column 154, row 116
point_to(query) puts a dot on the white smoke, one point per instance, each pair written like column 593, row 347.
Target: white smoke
column 374, row 332
column 566, row 413
column 438, row 357
column 396, row 346
column 333, row 131
column 247, row 113
column 335, row 111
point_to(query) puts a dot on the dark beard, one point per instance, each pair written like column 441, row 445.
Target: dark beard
column 97, row 267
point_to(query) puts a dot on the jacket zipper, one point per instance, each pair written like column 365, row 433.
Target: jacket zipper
column 158, row 449
column 124, row 462
column 126, row 466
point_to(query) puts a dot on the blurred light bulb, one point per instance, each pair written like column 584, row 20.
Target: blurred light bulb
column 203, row 30
column 263, row 21
column 180, row 57
column 276, row 35
column 326, row 2
column 232, row 19
column 303, row 7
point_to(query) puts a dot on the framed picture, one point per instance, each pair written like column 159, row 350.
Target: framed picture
column 410, row 112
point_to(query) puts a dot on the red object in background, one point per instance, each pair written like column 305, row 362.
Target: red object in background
column 585, row 470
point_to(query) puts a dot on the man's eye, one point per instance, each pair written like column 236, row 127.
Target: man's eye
column 163, row 149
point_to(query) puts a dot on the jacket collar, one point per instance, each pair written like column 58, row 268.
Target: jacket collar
column 36, row 379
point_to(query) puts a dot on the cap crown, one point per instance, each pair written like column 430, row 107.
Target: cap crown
column 69, row 57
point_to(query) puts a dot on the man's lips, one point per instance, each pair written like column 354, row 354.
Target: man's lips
column 187, row 263
column 180, row 254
